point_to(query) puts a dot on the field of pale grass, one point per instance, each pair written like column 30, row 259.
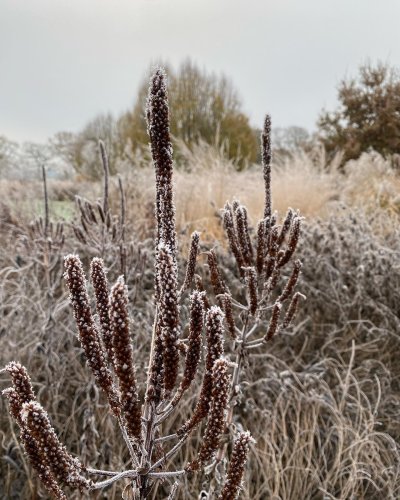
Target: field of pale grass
column 322, row 401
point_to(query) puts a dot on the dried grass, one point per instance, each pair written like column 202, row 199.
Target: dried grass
column 326, row 395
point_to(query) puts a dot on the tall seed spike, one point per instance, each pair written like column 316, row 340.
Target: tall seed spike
column 261, row 237
column 161, row 149
column 244, row 235
column 215, row 350
column 217, row 281
column 230, row 229
column 191, row 264
column 292, row 309
column 65, row 467
column 266, row 155
column 87, row 331
column 168, row 315
column 30, row 447
column 285, row 227
column 216, row 419
column 123, row 358
column 236, row 468
column 273, row 326
column 251, row 284
column 99, row 280
column 157, row 114
column 294, row 236
column 229, row 318
column 193, row 353
column 292, row 281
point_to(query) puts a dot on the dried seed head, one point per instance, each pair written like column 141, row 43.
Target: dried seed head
column 243, row 235
column 101, row 212
column 266, row 161
column 200, row 287
column 229, row 319
column 43, row 471
column 216, row 420
column 123, row 358
column 292, row 309
column 271, row 283
column 100, row 284
column 66, row 468
column 30, row 447
column 15, row 403
column 217, row 281
column 285, row 227
column 195, row 329
column 194, row 345
column 79, row 234
column 251, row 284
column 273, row 322
column 215, row 336
column 161, row 149
column 168, row 314
column 21, row 381
column 294, row 236
column 87, row 330
column 215, row 349
column 236, row 468
column 232, row 236
column 191, row 264
column 292, row 281
column 261, row 237
column 90, row 212
column 273, row 241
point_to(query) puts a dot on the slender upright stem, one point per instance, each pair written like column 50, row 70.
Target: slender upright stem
column 46, row 202
column 132, row 453
column 104, row 160
column 123, row 208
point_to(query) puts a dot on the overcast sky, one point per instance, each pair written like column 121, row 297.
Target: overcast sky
column 64, row 61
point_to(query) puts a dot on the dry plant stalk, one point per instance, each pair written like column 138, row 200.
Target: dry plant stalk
column 39, row 244
column 110, row 356
column 261, row 307
column 42, row 243
column 46, row 234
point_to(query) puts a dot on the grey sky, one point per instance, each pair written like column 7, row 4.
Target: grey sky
column 64, row 61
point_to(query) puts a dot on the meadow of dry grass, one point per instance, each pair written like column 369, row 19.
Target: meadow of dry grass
column 322, row 401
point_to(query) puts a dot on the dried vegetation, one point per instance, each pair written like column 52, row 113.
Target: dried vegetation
column 321, row 396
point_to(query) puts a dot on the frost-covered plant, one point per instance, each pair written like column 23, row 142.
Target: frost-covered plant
column 107, row 345
column 256, row 305
column 102, row 232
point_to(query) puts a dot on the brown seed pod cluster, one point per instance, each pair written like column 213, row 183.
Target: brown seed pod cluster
column 65, row 468
column 193, row 352
column 99, row 281
column 123, row 358
column 215, row 350
column 168, row 314
column 48, row 457
column 31, row 448
column 220, row 381
column 192, row 258
column 237, row 464
column 261, row 264
column 87, row 330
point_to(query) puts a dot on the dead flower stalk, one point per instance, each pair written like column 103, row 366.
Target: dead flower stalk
column 107, row 343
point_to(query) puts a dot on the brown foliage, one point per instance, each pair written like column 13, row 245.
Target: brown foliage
column 368, row 116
